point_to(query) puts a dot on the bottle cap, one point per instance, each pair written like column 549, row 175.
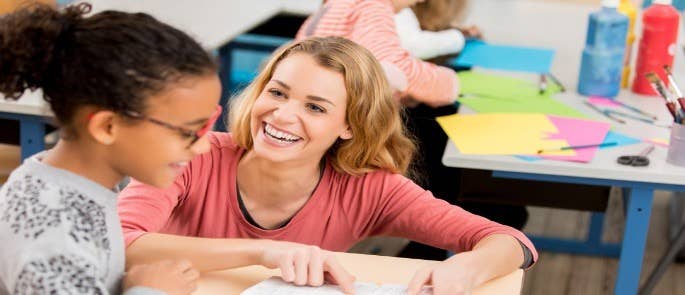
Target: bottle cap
column 610, row 3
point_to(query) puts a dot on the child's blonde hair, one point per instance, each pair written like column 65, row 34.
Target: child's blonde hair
column 438, row 15
column 379, row 139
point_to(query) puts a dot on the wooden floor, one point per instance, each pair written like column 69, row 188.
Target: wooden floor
column 574, row 274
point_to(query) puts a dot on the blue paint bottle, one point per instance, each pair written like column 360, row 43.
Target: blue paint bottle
column 602, row 62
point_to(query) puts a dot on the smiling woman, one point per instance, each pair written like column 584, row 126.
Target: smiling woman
column 321, row 89
column 313, row 164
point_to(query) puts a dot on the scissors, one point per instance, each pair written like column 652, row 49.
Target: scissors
column 640, row 160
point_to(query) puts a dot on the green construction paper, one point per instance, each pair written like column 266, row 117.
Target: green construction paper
column 488, row 93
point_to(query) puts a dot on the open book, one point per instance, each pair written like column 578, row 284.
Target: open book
column 277, row 286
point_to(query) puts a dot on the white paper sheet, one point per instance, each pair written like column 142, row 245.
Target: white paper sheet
column 276, row 286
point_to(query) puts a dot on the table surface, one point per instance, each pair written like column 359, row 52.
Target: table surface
column 366, row 268
column 31, row 103
column 519, row 22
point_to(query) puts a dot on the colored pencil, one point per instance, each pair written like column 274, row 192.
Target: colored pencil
column 577, row 147
column 637, row 110
column 605, row 113
column 631, row 116
column 556, row 81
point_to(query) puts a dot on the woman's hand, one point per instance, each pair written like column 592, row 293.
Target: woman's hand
column 493, row 256
column 456, row 275
column 306, row 265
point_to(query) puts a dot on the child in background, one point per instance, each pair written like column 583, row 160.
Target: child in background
column 370, row 23
column 431, row 29
column 133, row 96
column 314, row 161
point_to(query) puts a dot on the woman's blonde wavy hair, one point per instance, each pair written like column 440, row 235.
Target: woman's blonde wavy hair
column 379, row 139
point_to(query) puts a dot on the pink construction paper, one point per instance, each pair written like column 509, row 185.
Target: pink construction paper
column 602, row 102
column 579, row 132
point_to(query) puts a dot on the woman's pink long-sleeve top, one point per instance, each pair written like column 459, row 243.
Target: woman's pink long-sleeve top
column 343, row 209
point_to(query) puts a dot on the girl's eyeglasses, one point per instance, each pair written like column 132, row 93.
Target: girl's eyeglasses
column 184, row 132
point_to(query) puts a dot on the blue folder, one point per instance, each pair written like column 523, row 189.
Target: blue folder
column 501, row 57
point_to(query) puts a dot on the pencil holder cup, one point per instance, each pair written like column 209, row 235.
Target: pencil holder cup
column 676, row 148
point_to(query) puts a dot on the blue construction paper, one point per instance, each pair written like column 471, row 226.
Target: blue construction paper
column 501, row 57
column 619, row 139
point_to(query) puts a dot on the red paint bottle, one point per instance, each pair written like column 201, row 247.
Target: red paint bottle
column 657, row 44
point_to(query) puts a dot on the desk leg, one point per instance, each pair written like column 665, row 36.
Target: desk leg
column 594, row 235
column 32, row 137
column 634, row 240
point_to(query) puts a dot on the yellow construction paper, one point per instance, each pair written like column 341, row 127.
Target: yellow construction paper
column 503, row 134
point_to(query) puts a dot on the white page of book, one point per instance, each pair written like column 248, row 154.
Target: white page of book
column 276, row 286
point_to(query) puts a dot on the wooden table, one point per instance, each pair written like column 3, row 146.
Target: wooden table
column 366, row 268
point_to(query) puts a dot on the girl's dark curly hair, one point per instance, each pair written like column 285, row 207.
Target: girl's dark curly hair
column 112, row 60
